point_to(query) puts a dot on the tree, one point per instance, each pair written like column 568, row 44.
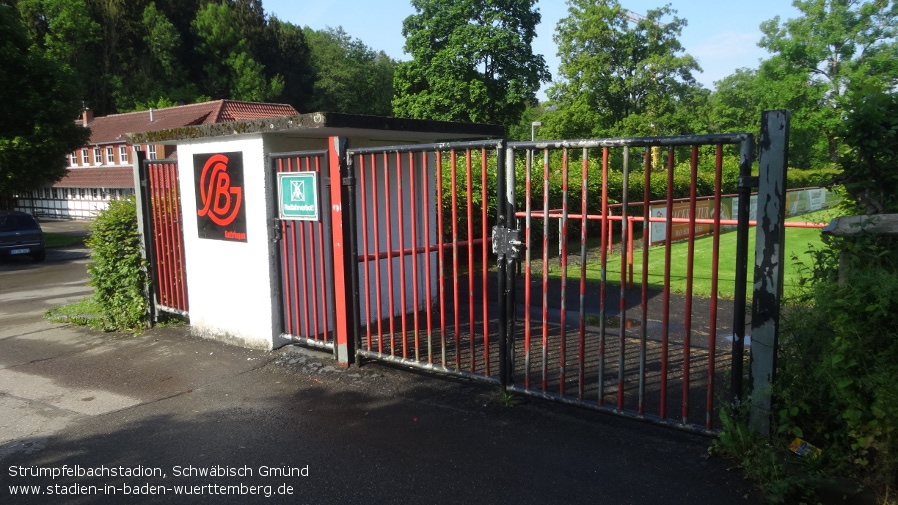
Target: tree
column 350, row 77
column 837, row 44
column 287, row 55
column 618, row 77
column 739, row 99
column 38, row 106
column 67, row 33
column 225, row 44
column 472, row 60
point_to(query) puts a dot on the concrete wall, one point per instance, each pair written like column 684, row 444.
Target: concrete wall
column 230, row 283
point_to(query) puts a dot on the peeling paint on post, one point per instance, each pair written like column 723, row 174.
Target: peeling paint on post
column 769, row 258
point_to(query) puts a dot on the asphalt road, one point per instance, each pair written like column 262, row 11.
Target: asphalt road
column 121, row 418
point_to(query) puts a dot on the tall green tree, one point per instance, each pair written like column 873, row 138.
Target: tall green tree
column 617, row 76
column 472, row 60
column 837, row 44
column 350, row 77
column 225, row 43
column 38, row 106
column 739, row 99
column 288, row 55
column 67, row 32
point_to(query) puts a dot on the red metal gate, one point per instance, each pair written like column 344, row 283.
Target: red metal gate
column 594, row 339
column 425, row 215
column 306, row 261
column 162, row 212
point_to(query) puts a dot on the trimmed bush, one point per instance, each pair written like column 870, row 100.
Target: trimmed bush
column 118, row 272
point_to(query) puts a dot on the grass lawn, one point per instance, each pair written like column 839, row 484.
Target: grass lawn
column 798, row 242
column 62, row 240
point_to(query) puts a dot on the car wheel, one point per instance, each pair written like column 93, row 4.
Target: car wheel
column 39, row 256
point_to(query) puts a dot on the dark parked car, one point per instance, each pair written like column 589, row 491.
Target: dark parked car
column 20, row 235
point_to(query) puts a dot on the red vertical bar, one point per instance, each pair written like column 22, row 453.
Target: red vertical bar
column 712, row 337
column 425, row 184
column 414, row 211
column 364, row 266
column 563, row 252
column 630, row 252
column 172, row 223
column 306, row 287
column 375, row 224
column 285, row 268
column 470, row 237
column 454, row 187
column 343, row 345
column 441, row 263
column 158, row 242
column 161, row 232
column 165, row 231
column 295, row 249
column 545, row 267
column 312, row 266
column 584, row 211
column 182, row 267
column 322, row 235
column 606, row 241
column 400, row 212
column 389, row 238
column 622, row 305
column 687, row 321
column 527, row 267
column 483, row 250
column 665, row 318
column 646, row 214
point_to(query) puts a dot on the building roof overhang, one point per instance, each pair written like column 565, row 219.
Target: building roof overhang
column 326, row 124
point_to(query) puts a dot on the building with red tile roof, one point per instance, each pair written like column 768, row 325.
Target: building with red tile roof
column 102, row 170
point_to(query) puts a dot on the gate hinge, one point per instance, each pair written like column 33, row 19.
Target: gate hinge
column 276, row 230
column 507, row 243
column 749, row 181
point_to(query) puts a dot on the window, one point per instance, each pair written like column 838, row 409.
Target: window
column 151, row 155
column 110, row 155
column 123, row 155
column 98, row 159
column 73, row 159
column 84, row 159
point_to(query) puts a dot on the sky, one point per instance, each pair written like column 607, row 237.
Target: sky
column 722, row 35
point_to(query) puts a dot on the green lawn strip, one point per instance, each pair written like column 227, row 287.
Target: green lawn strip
column 52, row 240
column 798, row 242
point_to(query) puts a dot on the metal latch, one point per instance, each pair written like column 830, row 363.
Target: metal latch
column 507, row 243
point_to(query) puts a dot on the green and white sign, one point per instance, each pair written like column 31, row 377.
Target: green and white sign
column 298, row 196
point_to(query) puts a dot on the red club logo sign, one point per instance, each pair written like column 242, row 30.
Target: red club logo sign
column 219, row 196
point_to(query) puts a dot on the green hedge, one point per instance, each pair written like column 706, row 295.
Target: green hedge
column 118, row 272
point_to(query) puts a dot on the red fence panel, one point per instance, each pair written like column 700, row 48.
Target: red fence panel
column 167, row 236
column 306, row 264
column 425, row 216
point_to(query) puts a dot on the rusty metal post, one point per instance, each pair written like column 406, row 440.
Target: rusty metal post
column 769, row 258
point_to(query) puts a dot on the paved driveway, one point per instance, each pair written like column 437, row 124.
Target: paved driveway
column 166, row 412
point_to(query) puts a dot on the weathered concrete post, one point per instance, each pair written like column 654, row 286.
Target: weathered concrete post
column 769, row 258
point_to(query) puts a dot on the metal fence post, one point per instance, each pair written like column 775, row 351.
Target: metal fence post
column 344, row 255
column 143, row 202
column 769, row 257
column 746, row 184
